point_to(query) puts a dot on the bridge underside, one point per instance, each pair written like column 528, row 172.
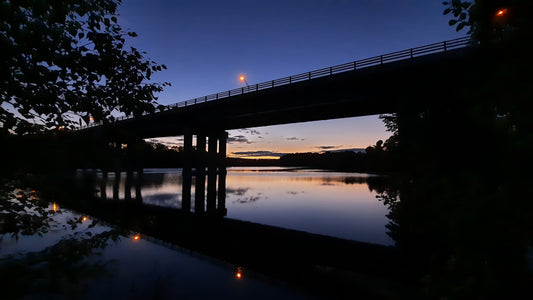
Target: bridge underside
column 407, row 87
column 373, row 90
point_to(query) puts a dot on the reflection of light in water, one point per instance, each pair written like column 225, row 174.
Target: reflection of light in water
column 136, row 237
column 238, row 274
column 54, row 207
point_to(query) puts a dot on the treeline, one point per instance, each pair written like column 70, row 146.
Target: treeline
column 56, row 152
column 375, row 159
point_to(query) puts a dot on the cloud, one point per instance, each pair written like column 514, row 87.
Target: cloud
column 238, row 139
column 294, row 139
column 339, row 149
column 249, row 131
column 257, row 153
column 327, row 147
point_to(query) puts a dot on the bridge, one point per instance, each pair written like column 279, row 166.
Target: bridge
column 370, row 86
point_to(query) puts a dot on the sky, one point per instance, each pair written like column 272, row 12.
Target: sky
column 207, row 44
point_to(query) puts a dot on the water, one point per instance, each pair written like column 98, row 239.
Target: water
column 128, row 265
column 337, row 204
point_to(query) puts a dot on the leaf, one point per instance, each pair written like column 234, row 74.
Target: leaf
column 447, row 11
column 452, row 22
column 460, row 26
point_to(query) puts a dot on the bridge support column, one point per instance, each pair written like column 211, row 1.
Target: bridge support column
column 212, row 173
column 221, row 206
column 186, row 189
column 223, row 138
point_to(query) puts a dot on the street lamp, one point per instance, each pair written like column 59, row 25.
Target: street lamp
column 243, row 79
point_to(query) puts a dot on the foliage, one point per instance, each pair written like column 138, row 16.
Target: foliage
column 64, row 59
column 22, row 212
column 58, row 269
column 492, row 20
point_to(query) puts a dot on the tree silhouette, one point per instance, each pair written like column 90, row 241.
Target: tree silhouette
column 492, row 20
column 65, row 62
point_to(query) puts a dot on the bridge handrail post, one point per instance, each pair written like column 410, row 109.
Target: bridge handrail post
column 381, row 59
column 217, row 96
column 330, row 70
column 272, row 83
column 411, row 52
column 355, row 65
column 444, row 46
column 309, row 75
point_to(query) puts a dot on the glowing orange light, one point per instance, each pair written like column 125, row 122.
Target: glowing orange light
column 136, row 237
column 242, row 78
column 84, row 219
column 501, row 12
column 54, row 207
column 91, row 119
column 60, row 127
column 238, row 275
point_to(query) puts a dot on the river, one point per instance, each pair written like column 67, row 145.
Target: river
column 128, row 264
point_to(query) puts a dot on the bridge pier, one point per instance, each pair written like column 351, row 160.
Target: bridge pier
column 208, row 165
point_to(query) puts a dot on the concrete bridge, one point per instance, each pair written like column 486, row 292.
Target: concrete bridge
column 376, row 85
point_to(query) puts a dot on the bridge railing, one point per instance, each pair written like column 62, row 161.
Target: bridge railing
column 350, row 66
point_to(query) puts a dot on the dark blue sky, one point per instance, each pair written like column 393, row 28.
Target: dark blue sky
column 206, row 44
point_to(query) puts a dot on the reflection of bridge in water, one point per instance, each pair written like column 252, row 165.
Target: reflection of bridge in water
column 197, row 224
column 209, row 199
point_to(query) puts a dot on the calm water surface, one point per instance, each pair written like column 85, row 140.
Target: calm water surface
column 337, row 204
column 132, row 266
column 136, row 266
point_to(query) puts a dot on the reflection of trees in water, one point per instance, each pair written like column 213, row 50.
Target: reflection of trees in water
column 462, row 233
column 57, row 270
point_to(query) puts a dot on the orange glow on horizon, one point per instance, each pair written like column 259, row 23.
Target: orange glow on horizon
column 254, row 157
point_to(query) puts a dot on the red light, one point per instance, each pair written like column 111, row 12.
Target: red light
column 238, row 275
column 501, row 12
column 136, row 237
